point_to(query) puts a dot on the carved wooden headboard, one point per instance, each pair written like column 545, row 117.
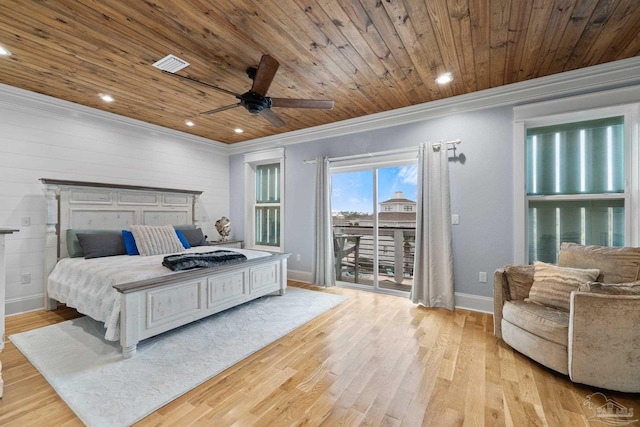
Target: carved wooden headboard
column 100, row 206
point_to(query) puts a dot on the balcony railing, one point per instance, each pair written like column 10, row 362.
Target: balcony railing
column 354, row 246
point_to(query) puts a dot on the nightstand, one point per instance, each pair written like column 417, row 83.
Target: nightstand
column 228, row 243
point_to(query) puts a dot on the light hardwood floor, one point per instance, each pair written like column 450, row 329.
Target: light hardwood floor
column 373, row 360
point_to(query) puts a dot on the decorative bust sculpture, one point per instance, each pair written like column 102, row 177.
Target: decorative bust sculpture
column 223, row 225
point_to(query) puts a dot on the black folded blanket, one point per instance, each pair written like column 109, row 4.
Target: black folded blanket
column 188, row 261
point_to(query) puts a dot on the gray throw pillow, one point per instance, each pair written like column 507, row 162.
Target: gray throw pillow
column 101, row 245
column 195, row 237
column 74, row 250
column 184, row 227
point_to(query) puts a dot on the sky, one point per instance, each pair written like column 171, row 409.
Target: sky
column 353, row 191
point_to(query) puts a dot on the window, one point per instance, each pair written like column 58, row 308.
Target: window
column 579, row 176
column 267, row 206
column 408, row 208
column 375, row 250
column 575, row 185
column 264, row 202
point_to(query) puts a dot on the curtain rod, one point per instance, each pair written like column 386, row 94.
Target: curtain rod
column 383, row 153
column 453, row 142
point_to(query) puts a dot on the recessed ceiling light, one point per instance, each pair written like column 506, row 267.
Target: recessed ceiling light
column 189, row 123
column 238, row 130
column 444, row 78
column 4, row 51
column 105, row 97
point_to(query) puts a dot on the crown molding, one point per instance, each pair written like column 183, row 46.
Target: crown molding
column 595, row 78
column 590, row 79
column 32, row 102
column 613, row 98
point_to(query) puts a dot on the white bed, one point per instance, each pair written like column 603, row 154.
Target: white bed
column 135, row 296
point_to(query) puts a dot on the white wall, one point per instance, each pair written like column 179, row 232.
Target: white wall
column 41, row 137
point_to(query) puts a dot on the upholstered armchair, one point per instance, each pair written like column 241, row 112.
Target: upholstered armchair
column 580, row 318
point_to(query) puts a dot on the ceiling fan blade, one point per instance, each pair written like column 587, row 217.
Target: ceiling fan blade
column 265, row 74
column 319, row 104
column 272, row 117
column 217, row 110
column 219, row 89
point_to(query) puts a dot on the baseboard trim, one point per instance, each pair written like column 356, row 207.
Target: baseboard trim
column 474, row 302
column 462, row 300
column 24, row 304
column 465, row 301
column 300, row 276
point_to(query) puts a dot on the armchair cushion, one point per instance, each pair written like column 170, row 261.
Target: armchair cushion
column 632, row 288
column 604, row 344
column 552, row 285
column 519, row 279
column 546, row 322
column 616, row 264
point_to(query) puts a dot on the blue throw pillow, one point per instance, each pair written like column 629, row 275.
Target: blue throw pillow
column 130, row 243
column 183, row 239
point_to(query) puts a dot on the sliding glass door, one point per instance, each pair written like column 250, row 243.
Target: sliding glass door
column 373, row 222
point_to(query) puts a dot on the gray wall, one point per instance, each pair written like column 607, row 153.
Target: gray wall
column 481, row 188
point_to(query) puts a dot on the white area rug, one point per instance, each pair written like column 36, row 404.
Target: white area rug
column 104, row 389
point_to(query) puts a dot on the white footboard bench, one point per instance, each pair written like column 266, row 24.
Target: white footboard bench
column 150, row 307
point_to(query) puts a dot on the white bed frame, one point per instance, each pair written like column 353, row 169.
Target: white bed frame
column 150, row 307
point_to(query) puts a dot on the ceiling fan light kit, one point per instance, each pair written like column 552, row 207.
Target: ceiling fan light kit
column 255, row 101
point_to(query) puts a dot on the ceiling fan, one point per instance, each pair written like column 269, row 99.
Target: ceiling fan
column 255, row 100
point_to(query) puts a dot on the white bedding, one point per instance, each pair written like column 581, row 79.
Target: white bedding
column 87, row 284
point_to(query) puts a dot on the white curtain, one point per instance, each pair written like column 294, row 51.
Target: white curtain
column 433, row 269
column 323, row 267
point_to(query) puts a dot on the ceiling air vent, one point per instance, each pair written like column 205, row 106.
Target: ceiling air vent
column 171, row 64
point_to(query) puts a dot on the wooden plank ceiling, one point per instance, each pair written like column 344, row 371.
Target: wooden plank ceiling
column 368, row 56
